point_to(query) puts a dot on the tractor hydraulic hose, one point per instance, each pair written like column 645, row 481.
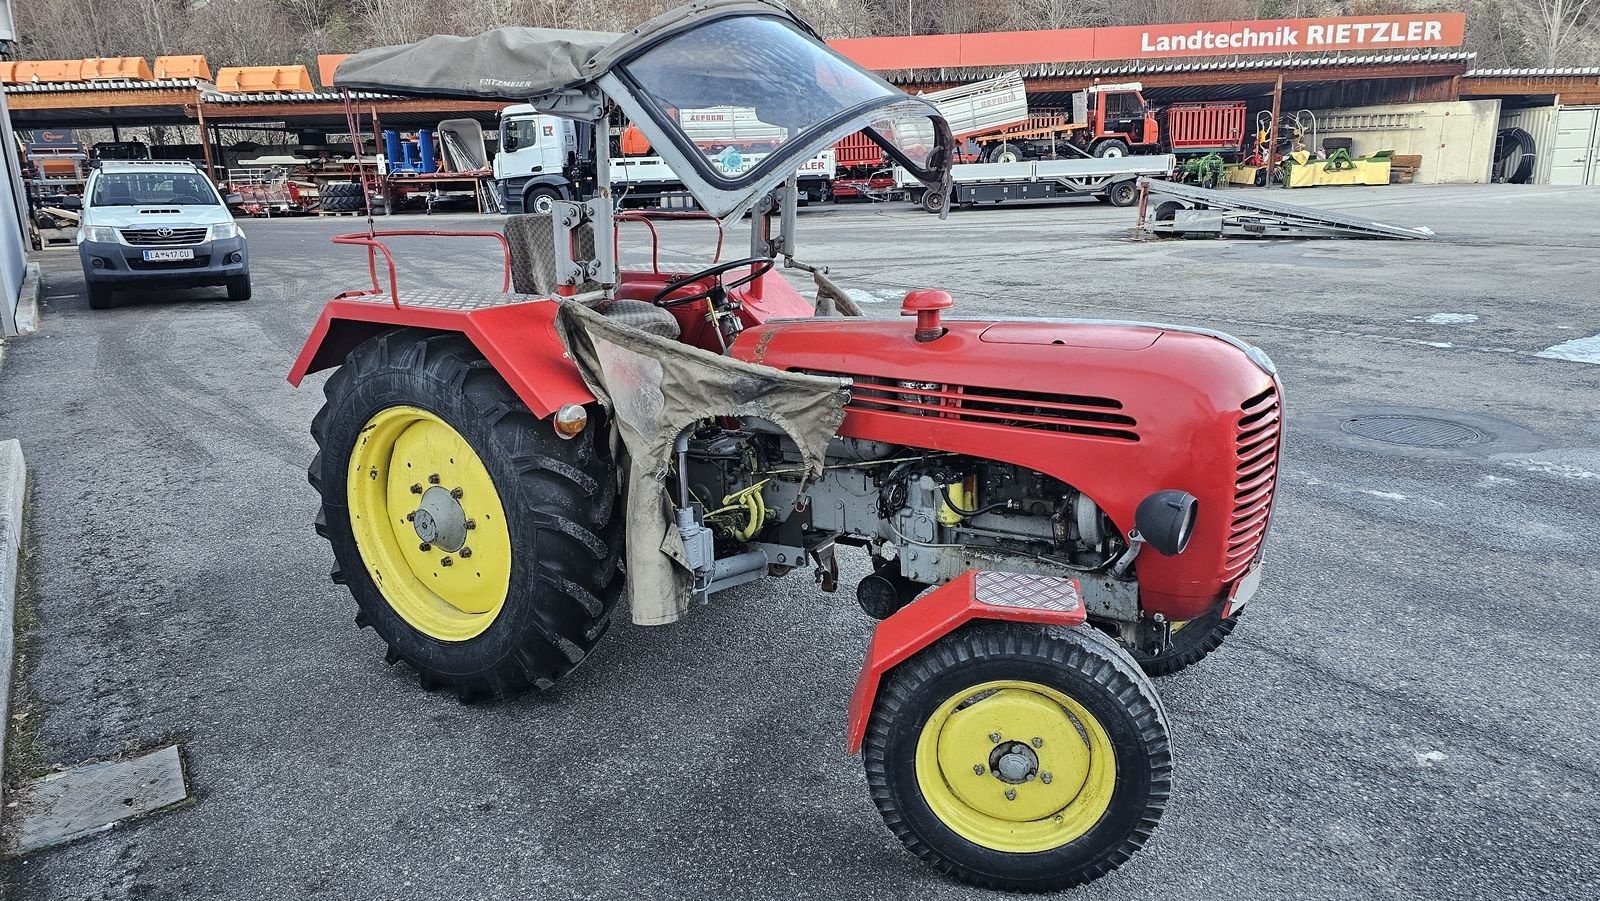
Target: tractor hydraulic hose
column 944, row 493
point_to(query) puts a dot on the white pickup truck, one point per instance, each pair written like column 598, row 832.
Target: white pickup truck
column 544, row 158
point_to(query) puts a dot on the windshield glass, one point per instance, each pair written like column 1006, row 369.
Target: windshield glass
column 739, row 89
column 145, row 188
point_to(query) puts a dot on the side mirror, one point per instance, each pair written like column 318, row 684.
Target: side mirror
column 1165, row 520
column 508, row 141
column 72, row 202
column 233, row 199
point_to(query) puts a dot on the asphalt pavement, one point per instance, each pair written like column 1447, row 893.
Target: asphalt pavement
column 1408, row 709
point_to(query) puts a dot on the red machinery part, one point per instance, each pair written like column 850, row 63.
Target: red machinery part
column 976, row 594
column 1193, row 127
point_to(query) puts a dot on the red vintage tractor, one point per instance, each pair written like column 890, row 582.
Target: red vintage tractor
column 1053, row 509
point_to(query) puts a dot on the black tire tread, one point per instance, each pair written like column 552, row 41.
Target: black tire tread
column 574, row 511
column 1189, row 647
column 1084, row 648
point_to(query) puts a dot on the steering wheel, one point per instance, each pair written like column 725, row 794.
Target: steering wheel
column 762, row 265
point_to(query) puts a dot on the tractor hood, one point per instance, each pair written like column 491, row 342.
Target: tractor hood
column 713, row 85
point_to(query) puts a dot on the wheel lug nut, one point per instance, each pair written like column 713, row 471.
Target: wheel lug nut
column 424, row 546
column 1028, row 778
column 466, row 552
column 446, row 561
column 416, row 489
column 994, row 737
column 977, row 769
column 1045, row 778
column 411, row 517
column 1011, row 794
column 433, row 479
column 1038, row 742
column 456, row 493
column 472, row 523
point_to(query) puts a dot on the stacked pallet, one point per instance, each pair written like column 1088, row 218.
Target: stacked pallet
column 1403, row 168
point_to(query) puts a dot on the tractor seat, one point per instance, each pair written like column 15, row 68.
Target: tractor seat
column 533, row 271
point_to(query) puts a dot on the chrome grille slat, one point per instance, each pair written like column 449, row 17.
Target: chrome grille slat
column 149, row 237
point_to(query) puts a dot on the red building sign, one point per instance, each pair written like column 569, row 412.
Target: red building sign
column 1242, row 38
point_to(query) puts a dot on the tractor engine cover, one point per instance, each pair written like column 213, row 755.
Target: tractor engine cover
column 1117, row 410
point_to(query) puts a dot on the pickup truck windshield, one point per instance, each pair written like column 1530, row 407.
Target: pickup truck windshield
column 750, row 85
column 145, row 188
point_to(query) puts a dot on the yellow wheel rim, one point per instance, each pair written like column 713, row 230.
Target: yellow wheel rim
column 429, row 523
column 1016, row 766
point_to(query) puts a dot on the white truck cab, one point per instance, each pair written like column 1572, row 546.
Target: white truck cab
column 546, row 158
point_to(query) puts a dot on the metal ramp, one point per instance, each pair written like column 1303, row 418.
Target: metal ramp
column 1169, row 208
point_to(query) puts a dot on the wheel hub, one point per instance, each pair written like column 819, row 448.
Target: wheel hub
column 1013, row 762
column 440, row 520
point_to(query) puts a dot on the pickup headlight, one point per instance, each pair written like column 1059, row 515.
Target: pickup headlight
column 225, row 230
column 101, row 233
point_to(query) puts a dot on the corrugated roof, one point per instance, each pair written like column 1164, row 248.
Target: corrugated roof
column 1148, row 67
column 67, row 87
column 1559, row 72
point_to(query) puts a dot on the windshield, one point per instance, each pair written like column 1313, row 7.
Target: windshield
column 740, row 88
column 146, row 188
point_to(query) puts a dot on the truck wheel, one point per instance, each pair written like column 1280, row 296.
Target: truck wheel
column 1111, row 149
column 540, row 201
column 1020, row 757
column 933, row 201
column 101, row 297
column 239, row 288
column 1123, row 193
column 478, row 544
column 1005, row 153
column 1190, row 642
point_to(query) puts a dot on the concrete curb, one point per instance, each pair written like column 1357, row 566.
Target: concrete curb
column 28, row 302
column 13, row 487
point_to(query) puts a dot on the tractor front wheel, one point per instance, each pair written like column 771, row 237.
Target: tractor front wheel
column 1189, row 642
column 1019, row 757
column 481, row 547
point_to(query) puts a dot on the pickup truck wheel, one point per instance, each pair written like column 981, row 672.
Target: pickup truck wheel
column 1111, row 149
column 239, row 288
column 540, row 201
column 481, row 546
column 101, row 297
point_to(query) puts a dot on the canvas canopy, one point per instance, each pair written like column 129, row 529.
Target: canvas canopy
column 520, row 63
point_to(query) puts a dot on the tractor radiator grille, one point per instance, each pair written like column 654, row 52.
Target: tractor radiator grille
column 1097, row 416
column 1257, row 450
column 146, row 237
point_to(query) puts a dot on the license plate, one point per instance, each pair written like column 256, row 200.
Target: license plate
column 156, row 256
column 1244, row 590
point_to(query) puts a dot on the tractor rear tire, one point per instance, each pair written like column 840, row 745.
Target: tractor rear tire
column 534, row 596
column 1190, row 643
column 1067, row 786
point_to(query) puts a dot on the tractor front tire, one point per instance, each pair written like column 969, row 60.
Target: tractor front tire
column 1111, row 149
column 1189, row 643
column 481, row 547
column 1020, row 757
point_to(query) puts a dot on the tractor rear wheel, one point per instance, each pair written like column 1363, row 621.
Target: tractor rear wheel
column 1020, row 757
column 1189, row 643
column 481, row 547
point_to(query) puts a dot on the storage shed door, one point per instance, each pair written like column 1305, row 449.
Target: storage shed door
column 1575, row 157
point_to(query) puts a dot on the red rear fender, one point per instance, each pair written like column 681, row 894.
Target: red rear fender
column 519, row 339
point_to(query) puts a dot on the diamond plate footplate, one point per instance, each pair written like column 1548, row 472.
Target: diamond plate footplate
column 452, row 299
column 83, row 800
column 1027, row 591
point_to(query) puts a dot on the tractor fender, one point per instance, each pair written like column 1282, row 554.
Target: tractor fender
column 519, row 339
column 975, row 594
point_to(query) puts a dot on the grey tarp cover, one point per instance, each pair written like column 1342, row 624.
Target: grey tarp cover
column 655, row 388
column 503, row 64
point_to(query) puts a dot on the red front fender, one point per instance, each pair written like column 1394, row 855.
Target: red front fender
column 519, row 339
column 976, row 594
